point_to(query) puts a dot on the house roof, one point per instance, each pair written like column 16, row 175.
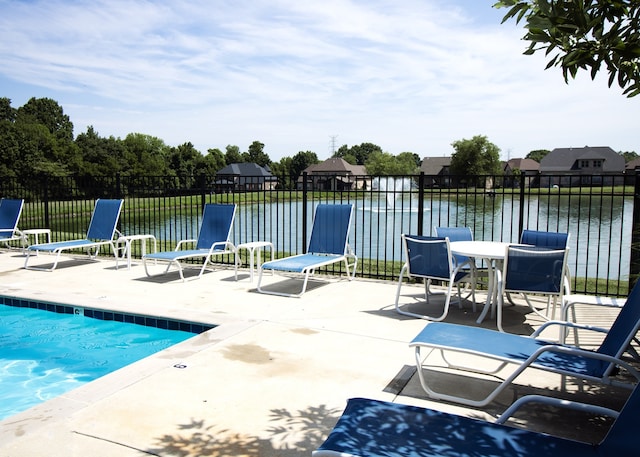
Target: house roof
column 434, row 165
column 633, row 164
column 564, row 159
column 336, row 165
column 245, row 169
column 523, row 164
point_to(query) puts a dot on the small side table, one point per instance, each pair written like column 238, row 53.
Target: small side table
column 35, row 233
column 254, row 259
column 127, row 240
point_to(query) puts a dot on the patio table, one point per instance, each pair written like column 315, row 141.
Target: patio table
column 492, row 252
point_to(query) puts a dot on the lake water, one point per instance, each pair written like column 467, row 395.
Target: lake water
column 598, row 248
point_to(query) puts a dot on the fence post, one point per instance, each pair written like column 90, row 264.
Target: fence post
column 634, row 267
column 118, row 186
column 45, row 200
column 421, row 203
column 523, row 181
column 304, row 212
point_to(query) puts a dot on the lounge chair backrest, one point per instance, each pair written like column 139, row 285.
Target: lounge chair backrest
column 625, row 326
column 621, row 438
column 330, row 231
column 216, row 224
column 104, row 219
column 554, row 240
column 428, row 256
column 533, row 269
column 10, row 210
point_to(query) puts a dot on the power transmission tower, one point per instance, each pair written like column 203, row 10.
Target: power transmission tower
column 332, row 145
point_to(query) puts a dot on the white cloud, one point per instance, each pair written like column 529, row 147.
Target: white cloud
column 409, row 76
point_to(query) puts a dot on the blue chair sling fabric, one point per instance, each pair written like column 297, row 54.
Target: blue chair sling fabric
column 463, row 263
column 429, row 258
column 532, row 351
column 374, row 428
column 532, row 270
column 456, row 234
column 101, row 232
column 554, row 240
column 213, row 240
column 328, row 244
column 10, row 211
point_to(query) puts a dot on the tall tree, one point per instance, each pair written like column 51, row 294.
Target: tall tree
column 49, row 113
column 146, row 154
column 386, row 164
column 301, row 161
column 233, row 155
column 214, row 161
column 584, row 35
column 477, row 156
column 361, row 152
column 7, row 112
column 256, row 154
column 537, row 154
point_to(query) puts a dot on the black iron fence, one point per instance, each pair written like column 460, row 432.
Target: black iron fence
column 601, row 213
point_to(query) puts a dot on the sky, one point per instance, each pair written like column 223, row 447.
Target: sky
column 303, row 75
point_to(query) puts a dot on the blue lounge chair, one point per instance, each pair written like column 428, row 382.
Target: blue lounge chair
column 372, row 428
column 213, row 240
column 101, row 232
column 328, row 245
column 10, row 211
column 430, row 259
column 529, row 352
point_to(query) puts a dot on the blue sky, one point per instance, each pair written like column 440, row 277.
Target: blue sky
column 411, row 75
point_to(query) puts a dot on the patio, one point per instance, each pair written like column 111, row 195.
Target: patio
column 270, row 380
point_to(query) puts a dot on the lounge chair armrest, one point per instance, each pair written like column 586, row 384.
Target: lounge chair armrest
column 548, row 324
column 226, row 245
column 577, row 406
column 587, row 354
column 181, row 242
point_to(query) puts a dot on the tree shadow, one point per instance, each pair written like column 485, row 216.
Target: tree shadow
column 293, row 434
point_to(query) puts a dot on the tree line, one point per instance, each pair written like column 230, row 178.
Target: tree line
column 37, row 139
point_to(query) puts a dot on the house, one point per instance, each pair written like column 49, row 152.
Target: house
column 238, row 177
column 514, row 167
column 631, row 165
column 523, row 165
column 581, row 166
column 335, row 174
column 436, row 171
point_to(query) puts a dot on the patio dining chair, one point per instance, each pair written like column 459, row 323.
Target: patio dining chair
column 463, row 263
column 532, row 270
column 329, row 244
column 10, row 211
column 213, row 240
column 430, row 259
column 555, row 240
column 101, row 232
column 550, row 240
column 490, row 352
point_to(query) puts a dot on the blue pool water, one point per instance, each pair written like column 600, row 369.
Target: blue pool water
column 45, row 354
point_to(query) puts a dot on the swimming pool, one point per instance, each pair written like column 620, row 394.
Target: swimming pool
column 44, row 354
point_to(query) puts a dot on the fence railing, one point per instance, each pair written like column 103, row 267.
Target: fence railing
column 601, row 213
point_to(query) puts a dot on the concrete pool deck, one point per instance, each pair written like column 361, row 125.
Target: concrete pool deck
column 270, row 380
